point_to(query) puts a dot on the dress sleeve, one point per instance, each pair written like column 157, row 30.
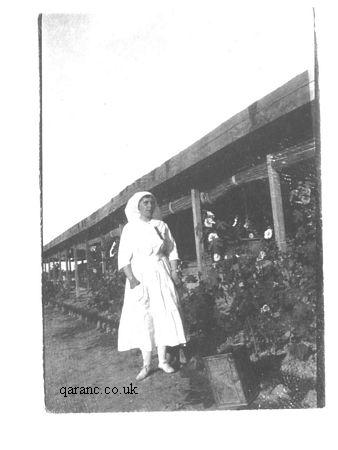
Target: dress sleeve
column 125, row 248
column 172, row 249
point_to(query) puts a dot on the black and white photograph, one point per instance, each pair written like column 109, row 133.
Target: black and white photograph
column 180, row 177
column 169, row 225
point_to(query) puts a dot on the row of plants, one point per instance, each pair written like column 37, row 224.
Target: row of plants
column 105, row 296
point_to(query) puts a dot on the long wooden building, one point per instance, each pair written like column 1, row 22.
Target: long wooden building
column 256, row 145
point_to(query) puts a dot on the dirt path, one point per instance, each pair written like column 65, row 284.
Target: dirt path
column 76, row 354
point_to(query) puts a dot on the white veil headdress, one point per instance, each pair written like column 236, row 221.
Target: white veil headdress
column 133, row 213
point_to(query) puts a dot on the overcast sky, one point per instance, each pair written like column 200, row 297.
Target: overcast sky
column 124, row 92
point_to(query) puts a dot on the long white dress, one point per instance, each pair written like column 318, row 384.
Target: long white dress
column 150, row 315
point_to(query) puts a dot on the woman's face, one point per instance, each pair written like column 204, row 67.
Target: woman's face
column 146, row 206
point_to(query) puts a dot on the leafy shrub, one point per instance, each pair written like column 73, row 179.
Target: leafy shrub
column 49, row 290
column 109, row 291
column 266, row 299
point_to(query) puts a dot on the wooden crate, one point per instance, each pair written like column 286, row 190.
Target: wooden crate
column 232, row 379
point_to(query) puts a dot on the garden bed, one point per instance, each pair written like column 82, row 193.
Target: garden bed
column 102, row 320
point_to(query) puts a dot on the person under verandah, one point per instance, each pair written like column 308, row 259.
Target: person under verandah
column 148, row 256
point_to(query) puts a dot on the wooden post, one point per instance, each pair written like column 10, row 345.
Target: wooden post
column 103, row 255
column 70, row 270
column 277, row 205
column 49, row 272
column 88, row 264
column 67, row 271
column 77, row 286
column 83, row 275
column 198, row 230
column 60, row 261
column 54, row 271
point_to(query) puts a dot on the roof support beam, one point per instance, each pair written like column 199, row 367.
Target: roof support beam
column 277, row 205
column 88, row 265
column 77, row 284
column 198, row 230
column 103, row 255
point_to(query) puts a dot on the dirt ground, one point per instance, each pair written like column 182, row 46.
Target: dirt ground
column 76, row 354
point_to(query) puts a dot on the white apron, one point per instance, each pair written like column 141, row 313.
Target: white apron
column 150, row 315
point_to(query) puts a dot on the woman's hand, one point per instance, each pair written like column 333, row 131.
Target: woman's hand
column 176, row 279
column 175, row 273
column 131, row 277
column 133, row 282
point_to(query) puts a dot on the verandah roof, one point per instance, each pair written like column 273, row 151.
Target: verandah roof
column 294, row 94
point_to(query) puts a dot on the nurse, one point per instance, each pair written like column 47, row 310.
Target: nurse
column 148, row 256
